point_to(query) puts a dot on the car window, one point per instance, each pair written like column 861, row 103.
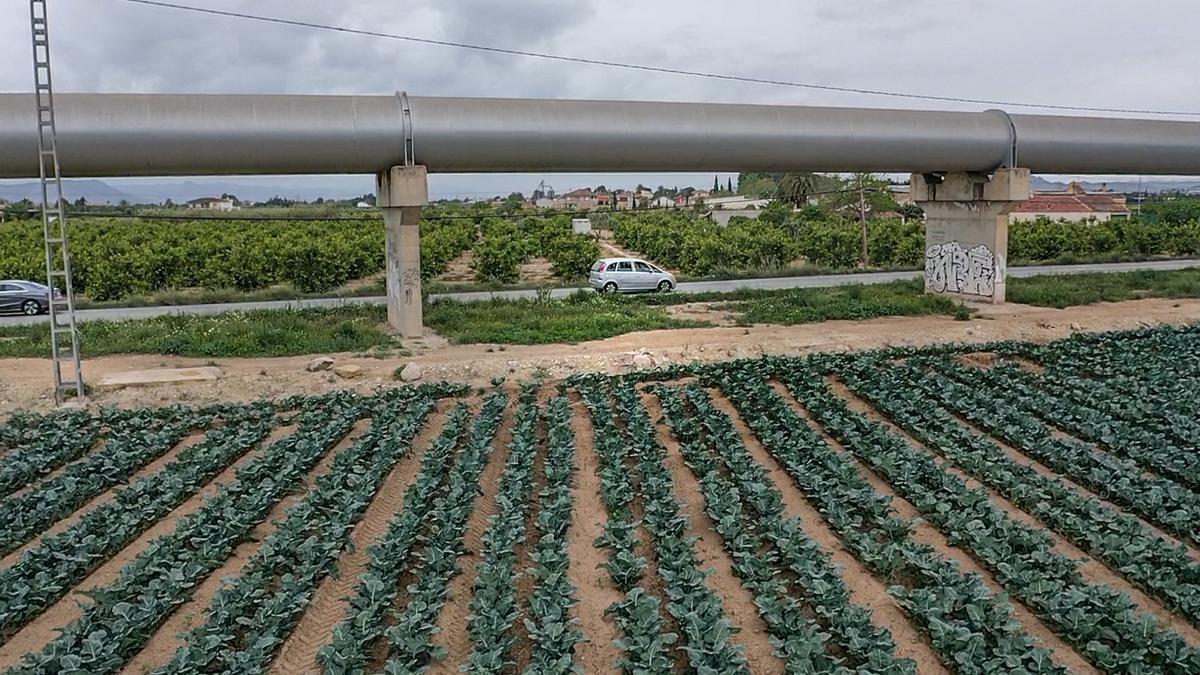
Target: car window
column 598, row 265
column 624, row 267
column 642, row 267
column 9, row 287
column 655, row 269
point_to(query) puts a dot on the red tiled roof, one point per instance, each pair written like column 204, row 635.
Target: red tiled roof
column 1073, row 203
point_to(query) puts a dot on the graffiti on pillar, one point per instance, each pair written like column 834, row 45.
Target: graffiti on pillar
column 410, row 281
column 949, row 268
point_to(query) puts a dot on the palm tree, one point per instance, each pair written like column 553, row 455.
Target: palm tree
column 795, row 188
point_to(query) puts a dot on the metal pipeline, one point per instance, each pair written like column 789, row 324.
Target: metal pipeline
column 197, row 134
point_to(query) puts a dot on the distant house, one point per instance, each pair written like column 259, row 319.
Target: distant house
column 736, row 203
column 1074, row 205
column 581, row 225
column 663, row 202
column 623, row 199
column 213, row 204
column 583, row 198
column 363, row 205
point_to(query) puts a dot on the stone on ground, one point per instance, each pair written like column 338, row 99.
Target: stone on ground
column 320, row 363
column 411, row 372
column 348, row 371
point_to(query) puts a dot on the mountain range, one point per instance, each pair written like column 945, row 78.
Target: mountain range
column 309, row 188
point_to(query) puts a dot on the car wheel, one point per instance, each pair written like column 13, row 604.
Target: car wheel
column 610, row 287
column 31, row 308
column 664, row 286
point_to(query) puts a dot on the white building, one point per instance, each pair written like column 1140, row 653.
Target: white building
column 213, row 204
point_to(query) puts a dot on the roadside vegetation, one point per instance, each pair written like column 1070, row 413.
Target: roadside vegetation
column 1066, row 290
column 580, row 317
column 261, row 333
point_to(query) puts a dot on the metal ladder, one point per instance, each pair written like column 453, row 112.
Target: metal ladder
column 64, row 339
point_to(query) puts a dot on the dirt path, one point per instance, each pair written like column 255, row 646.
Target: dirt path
column 1091, row 570
column 328, row 605
column 454, row 636
column 166, row 641
column 750, row 631
column 593, row 586
column 26, row 384
column 34, row 635
column 104, row 497
column 865, row 589
column 924, row 533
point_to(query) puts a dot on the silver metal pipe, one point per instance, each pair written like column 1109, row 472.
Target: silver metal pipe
column 195, row 134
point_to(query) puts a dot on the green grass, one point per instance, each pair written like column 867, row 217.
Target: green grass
column 1066, row 290
column 582, row 317
column 232, row 334
column 855, row 301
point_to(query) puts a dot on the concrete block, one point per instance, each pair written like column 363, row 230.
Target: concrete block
column 402, row 186
column 157, row 376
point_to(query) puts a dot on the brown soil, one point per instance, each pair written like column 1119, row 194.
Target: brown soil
column 328, row 605
column 106, row 496
column 865, row 589
column 453, row 619
column 23, row 383
column 460, row 268
column 1020, row 457
column 924, row 533
column 26, row 383
column 41, row 630
column 522, row 651
column 594, row 589
column 750, row 629
column 1089, row 569
column 715, row 313
column 166, row 641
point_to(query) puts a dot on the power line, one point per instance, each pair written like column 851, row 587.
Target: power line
column 649, row 68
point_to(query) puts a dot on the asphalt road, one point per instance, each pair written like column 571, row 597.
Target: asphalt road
column 814, row 281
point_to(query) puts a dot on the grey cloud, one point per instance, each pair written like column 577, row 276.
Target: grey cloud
column 1015, row 50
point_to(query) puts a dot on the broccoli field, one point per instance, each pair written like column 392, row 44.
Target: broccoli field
column 1002, row 508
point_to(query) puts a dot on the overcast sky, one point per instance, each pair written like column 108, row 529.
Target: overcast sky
column 1105, row 53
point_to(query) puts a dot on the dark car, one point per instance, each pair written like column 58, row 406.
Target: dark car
column 27, row 297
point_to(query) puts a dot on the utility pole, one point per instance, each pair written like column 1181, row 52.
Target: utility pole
column 862, row 220
column 64, row 339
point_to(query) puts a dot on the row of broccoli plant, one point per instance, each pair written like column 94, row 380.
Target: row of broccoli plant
column 128, row 446
column 551, row 627
column 645, row 643
column 127, row 612
column 1104, row 625
column 771, row 554
column 972, row 630
column 250, row 618
column 997, row 408
column 59, row 562
column 904, row 395
column 700, row 614
column 494, row 608
column 1148, row 378
column 1076, row 407
column 37, row 450
column 410, row 638
column 355, row 638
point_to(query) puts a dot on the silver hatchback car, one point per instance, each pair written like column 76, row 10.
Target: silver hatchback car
column 629, row 275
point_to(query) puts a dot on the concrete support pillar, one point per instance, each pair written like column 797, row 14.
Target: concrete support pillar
column 402, row 191
column 966, row 230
